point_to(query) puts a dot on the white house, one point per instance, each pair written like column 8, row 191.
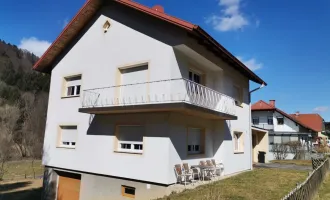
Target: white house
column 281, row 127
column 133, row 92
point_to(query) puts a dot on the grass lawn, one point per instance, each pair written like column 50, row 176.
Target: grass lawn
column 259, row 184
column 295, row 162
column 324, row 191
column 19, row 169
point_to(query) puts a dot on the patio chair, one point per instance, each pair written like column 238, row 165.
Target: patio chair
column 213, row 170
column 192, row 171
column 205, row 171
column 217, row 166
column 181, row 175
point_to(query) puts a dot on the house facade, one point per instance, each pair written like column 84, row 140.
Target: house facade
column 282, row 127
column 133, row 92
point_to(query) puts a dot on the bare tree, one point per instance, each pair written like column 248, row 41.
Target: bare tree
column 280, row 151
column 34, row 128
column 9, row 116
column 5, row 154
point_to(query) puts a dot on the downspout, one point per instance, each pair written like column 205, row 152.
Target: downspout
column 250, row 113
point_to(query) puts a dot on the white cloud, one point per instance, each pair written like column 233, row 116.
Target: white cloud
column 65, row 22
column 321, row 109
column 230, row 19
column 36, row 46
column 252, row 63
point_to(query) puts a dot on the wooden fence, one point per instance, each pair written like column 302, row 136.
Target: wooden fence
column 307, row 189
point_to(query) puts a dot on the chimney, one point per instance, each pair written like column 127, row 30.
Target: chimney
column 158, row 8
column 297, row 114
column 272, row 103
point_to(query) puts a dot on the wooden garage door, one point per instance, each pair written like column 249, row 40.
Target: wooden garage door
column 68, row 187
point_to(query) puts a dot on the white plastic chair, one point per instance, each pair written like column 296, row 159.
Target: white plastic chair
column 191, row 171
column 182, row 175
column 217, row 166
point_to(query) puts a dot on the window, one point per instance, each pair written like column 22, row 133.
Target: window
column 130, row 139
column 280, row 120
column 68, row 136
column 72, row 86
column 127, row 191
column 255, row 120
column 193, row 76
column 238, row 96
column 270, row 120
column 238, row 142
column 195, row 141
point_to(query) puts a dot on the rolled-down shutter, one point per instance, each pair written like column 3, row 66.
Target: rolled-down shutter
column 69, row 133
column 131, row 133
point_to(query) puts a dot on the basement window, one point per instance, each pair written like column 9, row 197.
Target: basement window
column 127, row 191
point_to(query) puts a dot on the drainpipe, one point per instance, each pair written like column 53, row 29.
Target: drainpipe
column 251, row 152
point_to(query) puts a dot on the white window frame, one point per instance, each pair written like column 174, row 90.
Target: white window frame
column 61, row 142
column 132, row 143
column 278, row 122
column 131, row 150
column 193, row 150
column 238, row 136
column 193, row 72
column 67, row 85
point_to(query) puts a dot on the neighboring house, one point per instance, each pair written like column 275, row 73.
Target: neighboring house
column 314, row 121
column 282, row 127
column 327, row 128
column 133, row 92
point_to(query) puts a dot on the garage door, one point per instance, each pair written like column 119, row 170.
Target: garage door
column 68, row 187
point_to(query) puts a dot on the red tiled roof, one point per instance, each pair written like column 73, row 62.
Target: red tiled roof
column 261, row 105
column 88, row 10
column 314, row 121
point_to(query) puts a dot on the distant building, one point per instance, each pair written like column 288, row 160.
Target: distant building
column 282, row 127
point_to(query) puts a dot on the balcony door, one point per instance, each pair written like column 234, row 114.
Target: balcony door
column 133, row 87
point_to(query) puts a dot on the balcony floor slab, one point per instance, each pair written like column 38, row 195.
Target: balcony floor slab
column 181, row 107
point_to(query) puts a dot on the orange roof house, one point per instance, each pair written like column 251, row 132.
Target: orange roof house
column 314, row 121
column 263, row 106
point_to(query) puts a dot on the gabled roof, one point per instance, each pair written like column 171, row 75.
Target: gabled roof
column 88, row 10
column 263, row 106
column 315, row 121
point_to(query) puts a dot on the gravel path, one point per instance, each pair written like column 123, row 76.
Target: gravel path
column 283, row 166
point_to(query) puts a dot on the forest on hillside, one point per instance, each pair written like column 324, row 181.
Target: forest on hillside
column 23, row 104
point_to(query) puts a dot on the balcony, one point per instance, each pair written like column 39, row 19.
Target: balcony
column 264, row 126
column 180, row 95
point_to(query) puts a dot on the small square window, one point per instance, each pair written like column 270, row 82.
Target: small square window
column 72, row 85
column 68, row 136
column 280, row 120
column 255, row 120
column 127, row 191
column 270, row 120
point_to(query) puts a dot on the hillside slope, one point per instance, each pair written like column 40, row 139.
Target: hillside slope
column 23, row 102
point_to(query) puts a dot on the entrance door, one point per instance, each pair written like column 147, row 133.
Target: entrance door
column 68, row 186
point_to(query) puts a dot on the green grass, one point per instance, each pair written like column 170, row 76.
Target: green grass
column 259, row 184
column 294, row 162
column 324, row 191
column 20, row 169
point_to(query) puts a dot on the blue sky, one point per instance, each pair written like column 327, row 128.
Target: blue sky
column 284, row 42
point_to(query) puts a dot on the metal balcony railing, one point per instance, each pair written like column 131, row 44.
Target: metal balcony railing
column 157, row 92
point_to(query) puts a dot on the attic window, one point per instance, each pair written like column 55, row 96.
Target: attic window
column 106, row 26
column 280, row 120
